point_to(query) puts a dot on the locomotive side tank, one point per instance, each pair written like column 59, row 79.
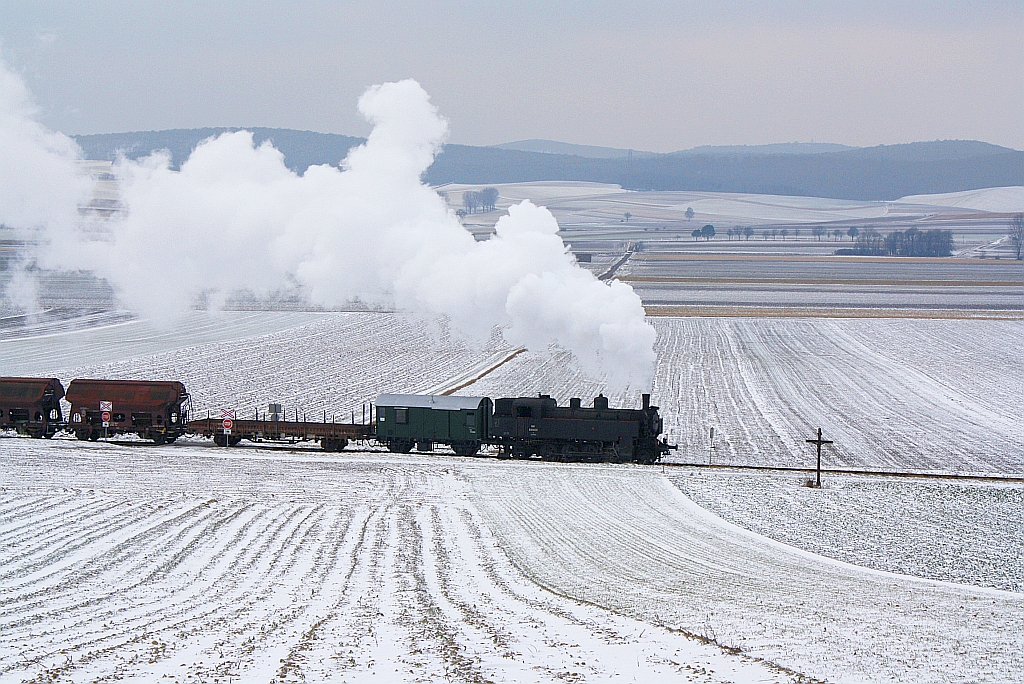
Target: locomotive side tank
column 525, row 427
column 31, row 406
column 156, row 410
column 423, row 420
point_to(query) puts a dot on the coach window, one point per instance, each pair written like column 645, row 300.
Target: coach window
column 470, row 419
column 402, row 416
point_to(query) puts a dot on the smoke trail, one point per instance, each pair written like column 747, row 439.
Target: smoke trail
column 40, row 185
column 235, row 217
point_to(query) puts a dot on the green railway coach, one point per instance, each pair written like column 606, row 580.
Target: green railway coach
column 423, row 420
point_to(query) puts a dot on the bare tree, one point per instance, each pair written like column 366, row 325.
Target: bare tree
column 488, row 198
column 1017, row 233
column 471, row 201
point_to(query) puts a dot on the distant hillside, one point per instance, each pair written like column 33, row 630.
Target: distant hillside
column 758, row 150
column 885, row 172
column 594, row 152
column 301, row 149
column 555, row 147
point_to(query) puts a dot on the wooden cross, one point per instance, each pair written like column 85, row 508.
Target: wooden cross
column 819, row 441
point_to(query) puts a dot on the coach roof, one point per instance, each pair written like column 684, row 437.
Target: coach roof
column 431, row 401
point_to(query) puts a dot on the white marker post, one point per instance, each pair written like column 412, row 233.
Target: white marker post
column 105, row 408
column 227, row 422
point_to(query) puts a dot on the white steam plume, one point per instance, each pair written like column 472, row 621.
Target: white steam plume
column 235, row 217
column 40, row 184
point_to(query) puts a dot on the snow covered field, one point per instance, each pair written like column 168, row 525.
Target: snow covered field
column 140, row 564
column 958, row 531
column 898, row 394
column 245, row 565
column 310, row 362
column 248, row 564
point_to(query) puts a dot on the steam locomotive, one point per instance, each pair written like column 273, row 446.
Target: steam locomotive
column 520, row 427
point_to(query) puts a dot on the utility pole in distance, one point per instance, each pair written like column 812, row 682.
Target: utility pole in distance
column 819, row 441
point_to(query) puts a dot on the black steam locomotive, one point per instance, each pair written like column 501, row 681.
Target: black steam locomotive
column 523, row 427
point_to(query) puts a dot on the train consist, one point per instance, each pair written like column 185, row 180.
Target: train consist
column 519, row 427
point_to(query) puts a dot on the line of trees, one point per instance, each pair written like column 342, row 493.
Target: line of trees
column 479, row 200
column 707, row 232
column 908, row 243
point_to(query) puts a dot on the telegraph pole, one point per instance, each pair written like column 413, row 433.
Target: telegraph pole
column 819, row 441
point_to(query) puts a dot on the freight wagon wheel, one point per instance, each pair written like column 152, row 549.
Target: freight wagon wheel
column 82, row 435
column 171, row 438
column 233, row 441
column 94, row 436
column 159, row 439
column 220, row 440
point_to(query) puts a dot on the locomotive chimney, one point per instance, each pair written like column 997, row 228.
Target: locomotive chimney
column 601, row 402
column 647, row 401
column 574, row 402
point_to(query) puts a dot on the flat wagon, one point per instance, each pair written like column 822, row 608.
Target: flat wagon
column 31, row 406
column 332, row 436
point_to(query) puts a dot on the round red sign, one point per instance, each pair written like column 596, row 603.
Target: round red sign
column 228, row 423
column 106, row 416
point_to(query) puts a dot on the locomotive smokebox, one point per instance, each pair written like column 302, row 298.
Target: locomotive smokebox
column 647, row 401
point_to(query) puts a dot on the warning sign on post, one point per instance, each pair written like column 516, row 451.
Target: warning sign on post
column 106, row 406
column 228, row 424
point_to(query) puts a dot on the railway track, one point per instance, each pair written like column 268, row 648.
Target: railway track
column 852, row 471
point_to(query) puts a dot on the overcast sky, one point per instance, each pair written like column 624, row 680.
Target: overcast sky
column 655, row 76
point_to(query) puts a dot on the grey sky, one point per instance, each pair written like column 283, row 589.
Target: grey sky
column 648, row 75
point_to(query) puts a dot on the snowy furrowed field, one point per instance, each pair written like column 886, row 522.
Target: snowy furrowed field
column 189, row 562
column 312, row 363
column 138, row 564
column 965, row 531
column 898, row 394
column 625, row 538
column 940, row 395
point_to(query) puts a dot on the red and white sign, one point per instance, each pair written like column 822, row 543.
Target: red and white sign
column 105, row 416
column 228, row 423
column 106, row 406
column 227, row 413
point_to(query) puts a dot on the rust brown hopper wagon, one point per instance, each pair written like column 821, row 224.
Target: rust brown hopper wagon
column 31, row 405
column 156, row 410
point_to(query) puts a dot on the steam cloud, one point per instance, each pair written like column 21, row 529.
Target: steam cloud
column 235, row 217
